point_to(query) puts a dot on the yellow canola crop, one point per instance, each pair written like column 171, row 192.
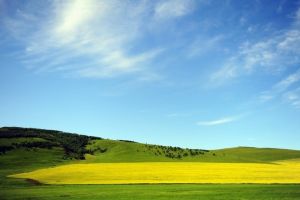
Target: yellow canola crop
column 167, row 172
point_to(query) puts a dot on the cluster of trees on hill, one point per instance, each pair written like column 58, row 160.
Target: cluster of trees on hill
column 28, row 145
column 174, row 152
column 73, row 144
column 97, row 149
column 36, row 144
column 4, row 149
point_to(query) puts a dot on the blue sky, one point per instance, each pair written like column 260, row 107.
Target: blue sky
column 199, row 74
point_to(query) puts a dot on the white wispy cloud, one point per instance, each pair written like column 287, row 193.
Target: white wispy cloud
column 178, row 115
column 265, row 96
column 220, row 121
column 273, row 54
column 227, row 72
column 91, row 38
column 173, row 8
column 292, row 97
column 287, row 81
column 120, row 64
column 284, row 89
column 203, row 45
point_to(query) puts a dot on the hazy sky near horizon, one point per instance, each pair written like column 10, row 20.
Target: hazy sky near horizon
column 189, row 73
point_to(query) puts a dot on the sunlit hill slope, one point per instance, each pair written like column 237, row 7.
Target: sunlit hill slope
column 66, row 146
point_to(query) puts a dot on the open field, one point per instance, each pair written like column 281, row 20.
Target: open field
column 153, row 192
column 28, row 159
column 162, row 172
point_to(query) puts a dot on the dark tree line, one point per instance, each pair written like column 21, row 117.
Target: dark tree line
column 4, row 149
column 174, row 152
column 98, row 149
column 29, row 145
column 36, row 144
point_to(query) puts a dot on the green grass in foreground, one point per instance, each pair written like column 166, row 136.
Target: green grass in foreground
column 157, row 192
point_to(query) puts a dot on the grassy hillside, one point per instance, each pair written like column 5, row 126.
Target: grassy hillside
column 23, row 150
column 127, row 151
column 15, row 137
column 93, row 149
column 122, row 151
column 257, row 154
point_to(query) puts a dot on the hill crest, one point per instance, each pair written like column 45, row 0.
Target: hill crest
column 97, row 149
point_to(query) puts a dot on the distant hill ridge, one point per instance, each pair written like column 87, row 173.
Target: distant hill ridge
column 96, row 149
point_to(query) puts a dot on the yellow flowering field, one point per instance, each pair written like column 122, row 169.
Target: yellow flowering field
column 168, row 172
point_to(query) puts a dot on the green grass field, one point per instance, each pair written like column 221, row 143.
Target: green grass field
column 22, row 159
column 151, row 192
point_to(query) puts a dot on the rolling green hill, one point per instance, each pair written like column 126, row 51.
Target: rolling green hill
column 121, row 151
column 16, row 142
